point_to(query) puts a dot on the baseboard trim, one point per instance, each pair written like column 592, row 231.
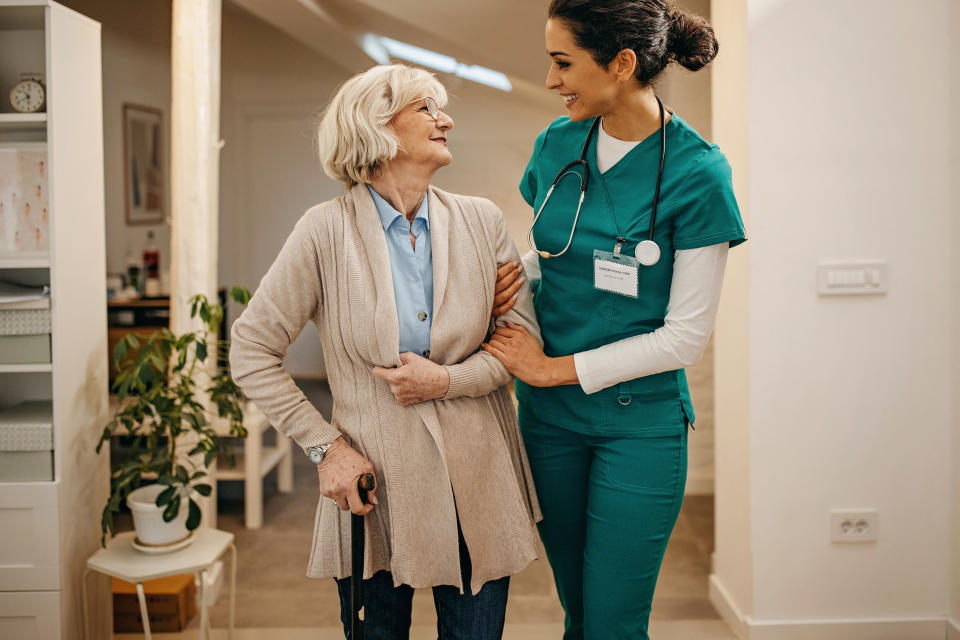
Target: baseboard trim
column 722, row 601
column 747, row 628
column 953, row 629
column 853, row 629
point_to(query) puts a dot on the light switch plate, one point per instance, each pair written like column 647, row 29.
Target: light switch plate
column 852, row 278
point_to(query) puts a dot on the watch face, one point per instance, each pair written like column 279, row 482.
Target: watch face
column 316, row 456
column 27, row 96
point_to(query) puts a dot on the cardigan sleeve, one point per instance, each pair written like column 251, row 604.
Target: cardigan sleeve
column 288, row 297
column 480, row 373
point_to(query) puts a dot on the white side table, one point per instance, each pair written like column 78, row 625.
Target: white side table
column 120, row 560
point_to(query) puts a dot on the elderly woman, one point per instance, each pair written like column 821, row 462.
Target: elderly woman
column 398, row 277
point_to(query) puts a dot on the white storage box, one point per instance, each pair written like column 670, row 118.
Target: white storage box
column 24, row 322
column 26, row 442
column 25, row 349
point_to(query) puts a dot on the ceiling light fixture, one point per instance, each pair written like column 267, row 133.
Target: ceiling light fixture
column 381, row 49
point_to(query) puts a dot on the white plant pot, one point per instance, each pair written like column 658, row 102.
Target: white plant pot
column 148, row 517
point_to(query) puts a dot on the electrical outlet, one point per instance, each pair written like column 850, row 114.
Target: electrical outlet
column 853, row 525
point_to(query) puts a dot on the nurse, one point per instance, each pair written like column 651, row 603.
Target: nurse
column 604, row 405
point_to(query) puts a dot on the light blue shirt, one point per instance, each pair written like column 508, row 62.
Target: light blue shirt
column 412, row 273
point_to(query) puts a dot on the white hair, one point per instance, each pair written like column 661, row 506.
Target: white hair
column 353, row 138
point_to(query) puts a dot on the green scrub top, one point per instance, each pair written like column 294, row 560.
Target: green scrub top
column 697, row 209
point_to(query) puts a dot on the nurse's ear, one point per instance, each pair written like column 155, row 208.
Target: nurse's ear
column 624, row 65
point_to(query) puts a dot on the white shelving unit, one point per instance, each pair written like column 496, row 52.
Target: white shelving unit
column 28, row 260
column 26, row 368
column 49, row 529
column 11, row 121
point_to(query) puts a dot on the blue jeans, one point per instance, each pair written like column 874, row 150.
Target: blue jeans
column 459, row 616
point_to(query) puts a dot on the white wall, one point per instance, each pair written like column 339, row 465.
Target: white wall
column 272, row 88
column 689, row 93
column 136, row 68
column 731, row 583
column 850, row 398
column 954, row 84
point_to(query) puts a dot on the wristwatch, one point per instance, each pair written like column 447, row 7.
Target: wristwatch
column 316, row 453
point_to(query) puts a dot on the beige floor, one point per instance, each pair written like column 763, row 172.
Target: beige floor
column 275, row 600
column 659, row 629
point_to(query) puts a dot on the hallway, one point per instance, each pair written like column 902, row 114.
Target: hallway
column 276, row 600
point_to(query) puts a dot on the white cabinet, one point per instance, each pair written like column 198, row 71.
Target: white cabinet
column 30, row 615
column 49, row 529
column 30, row 553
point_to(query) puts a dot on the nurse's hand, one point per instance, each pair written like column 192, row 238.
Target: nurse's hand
column 508, row 284
column 416, row 380
column 523, row 357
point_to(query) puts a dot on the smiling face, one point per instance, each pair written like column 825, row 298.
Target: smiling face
column 586, row 88
column 423, row 140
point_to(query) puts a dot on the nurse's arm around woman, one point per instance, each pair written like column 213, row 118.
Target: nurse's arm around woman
column 398, row 277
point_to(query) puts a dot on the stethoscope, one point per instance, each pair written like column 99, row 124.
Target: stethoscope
column 647, row 252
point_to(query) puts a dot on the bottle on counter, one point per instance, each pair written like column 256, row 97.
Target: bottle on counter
column 131, row 273
column 151, row 267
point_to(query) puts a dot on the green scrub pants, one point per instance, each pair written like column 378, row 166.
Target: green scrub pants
column 609, row 505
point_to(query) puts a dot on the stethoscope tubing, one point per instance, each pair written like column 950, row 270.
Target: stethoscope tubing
column 584, row 181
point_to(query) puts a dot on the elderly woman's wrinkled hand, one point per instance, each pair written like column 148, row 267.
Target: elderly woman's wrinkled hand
column 338, row 474
column 416, row 380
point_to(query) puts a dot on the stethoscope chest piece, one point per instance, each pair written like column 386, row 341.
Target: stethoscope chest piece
column 648, row 253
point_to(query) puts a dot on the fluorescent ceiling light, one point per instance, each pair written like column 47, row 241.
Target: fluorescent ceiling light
column 485, row 76
column 381, row 48
column 373, row 46
column 418, row 55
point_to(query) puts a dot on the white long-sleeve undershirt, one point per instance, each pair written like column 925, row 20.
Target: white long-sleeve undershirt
column 680, row 342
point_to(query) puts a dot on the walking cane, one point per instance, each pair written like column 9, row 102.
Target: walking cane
column 365, row 483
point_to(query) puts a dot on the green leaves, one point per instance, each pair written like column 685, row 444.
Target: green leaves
column 173, row 508
column 240, row 294
column 162, row 399
column 193, row 516
column 166, row 496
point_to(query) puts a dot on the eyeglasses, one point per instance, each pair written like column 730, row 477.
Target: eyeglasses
column 432, row 109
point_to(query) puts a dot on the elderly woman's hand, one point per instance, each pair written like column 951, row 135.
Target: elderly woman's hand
column 338, row 474
column 416, row 380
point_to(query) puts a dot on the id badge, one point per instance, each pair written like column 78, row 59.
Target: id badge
column 615, row 272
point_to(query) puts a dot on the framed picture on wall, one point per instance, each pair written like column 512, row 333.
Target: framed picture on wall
column 144, row 175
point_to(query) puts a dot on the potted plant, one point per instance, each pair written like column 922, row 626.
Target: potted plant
column 162, row 410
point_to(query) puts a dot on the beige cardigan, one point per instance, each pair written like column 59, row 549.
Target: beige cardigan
column 334, row 269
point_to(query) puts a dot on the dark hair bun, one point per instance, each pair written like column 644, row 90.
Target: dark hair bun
column 691, row 41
